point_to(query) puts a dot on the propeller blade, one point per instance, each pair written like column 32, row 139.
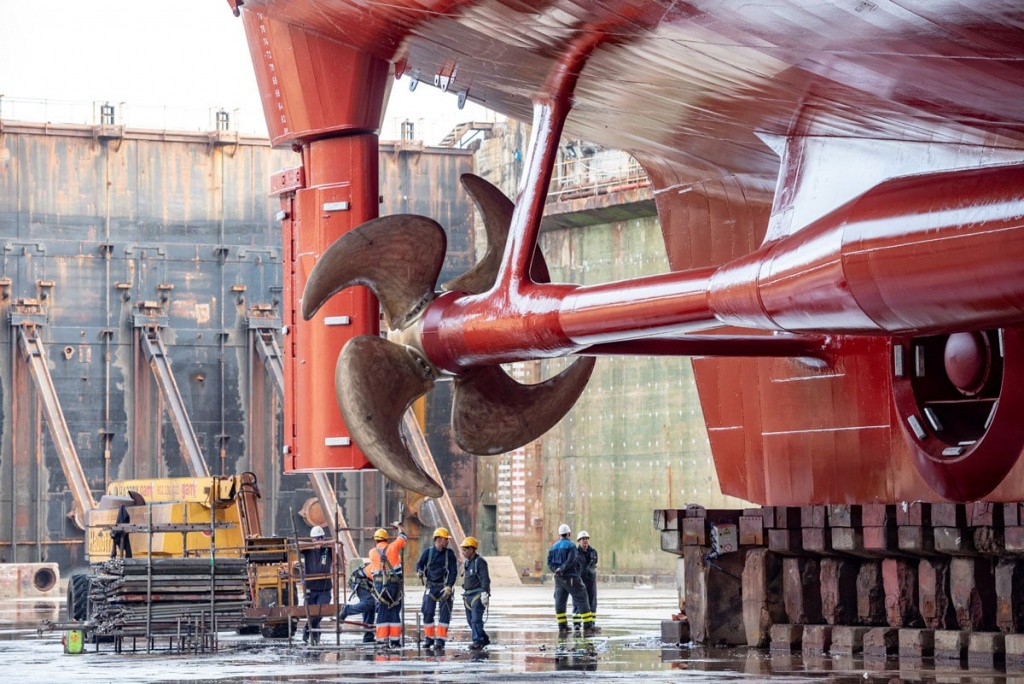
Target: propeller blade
column 376, row 381
column 492, row 413
column 496, row 211
column 398, row 257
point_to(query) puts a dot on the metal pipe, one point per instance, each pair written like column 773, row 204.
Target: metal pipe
column 13, row 362
column 107, row 254
column 338, row 559
column 149, row 576
column 302, row 574
column 222, row 337
column 40, row 462
column 788, row 346
column 917, row 256
column 213, row 559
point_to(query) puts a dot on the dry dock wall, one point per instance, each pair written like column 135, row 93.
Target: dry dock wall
column 108, row 235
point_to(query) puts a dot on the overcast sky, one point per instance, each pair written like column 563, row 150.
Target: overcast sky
column 171, row 62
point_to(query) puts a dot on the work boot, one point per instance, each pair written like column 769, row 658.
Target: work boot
column 438, row 645
column 476, row 646
column 314, row 639
column 396, row 643
column 486, row 641
column 368, row 638
column 563, row 630
column 588, row 630
column 428, row 643
column 305, row 635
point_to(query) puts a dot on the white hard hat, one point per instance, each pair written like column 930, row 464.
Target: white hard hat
column 317, row 531
column 583, row 535
column 564, row 529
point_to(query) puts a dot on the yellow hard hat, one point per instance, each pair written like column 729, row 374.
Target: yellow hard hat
column 470, row 542
column 380, row 535
column 441, row 532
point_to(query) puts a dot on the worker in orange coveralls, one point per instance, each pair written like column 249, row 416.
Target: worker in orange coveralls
column 388, row 584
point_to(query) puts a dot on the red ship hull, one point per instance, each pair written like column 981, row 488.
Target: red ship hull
column 843, row 171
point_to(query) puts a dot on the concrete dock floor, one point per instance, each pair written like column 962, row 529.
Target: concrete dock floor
column 525, row 649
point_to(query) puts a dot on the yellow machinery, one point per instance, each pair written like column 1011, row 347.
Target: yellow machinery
column 171, row 518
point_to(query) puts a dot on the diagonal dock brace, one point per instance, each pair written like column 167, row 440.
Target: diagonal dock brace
column 442, row 510
column 34, row 354
column 153, row 349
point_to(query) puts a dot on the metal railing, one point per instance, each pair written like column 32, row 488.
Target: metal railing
column 578, row 177
column 108, row 113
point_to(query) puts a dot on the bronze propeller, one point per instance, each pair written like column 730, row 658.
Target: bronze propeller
column 376, row 380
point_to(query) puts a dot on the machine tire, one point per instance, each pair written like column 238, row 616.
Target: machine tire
column 279, row 630
column 78, row 598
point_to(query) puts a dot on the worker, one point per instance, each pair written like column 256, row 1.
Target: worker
column 588, row 572
column 564, row 562
column 361, row 586
column 476, row 588
column 317, row 563
column 438, row 569
column 386, row 571
column 121, row 539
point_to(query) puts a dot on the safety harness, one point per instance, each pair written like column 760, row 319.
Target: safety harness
column 444, row 582
column 473, row 595
column 387, row 575
column 359, row 579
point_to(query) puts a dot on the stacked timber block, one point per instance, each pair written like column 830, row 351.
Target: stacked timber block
column 915, row 580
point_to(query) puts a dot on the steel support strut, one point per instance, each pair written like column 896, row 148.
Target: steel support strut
column 156, row 354
column 32, row 349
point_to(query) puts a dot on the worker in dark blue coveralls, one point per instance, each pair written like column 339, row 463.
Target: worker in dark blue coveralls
column 438, row 569
column 564, row 562
column 588, row 572
column 476, row 588
column 361, row 585
column 318, row 563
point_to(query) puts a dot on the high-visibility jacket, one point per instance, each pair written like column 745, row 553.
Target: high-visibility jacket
column 392, row 552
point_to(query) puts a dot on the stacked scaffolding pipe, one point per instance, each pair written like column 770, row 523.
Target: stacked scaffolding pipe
column 166, row 593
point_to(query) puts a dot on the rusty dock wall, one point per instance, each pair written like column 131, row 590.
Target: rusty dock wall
column 127, row 253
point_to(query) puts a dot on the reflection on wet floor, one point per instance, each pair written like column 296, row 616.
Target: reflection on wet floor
column 525, row 648
column 20, row 615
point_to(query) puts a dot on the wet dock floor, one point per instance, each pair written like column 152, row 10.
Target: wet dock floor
column 525, row 648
